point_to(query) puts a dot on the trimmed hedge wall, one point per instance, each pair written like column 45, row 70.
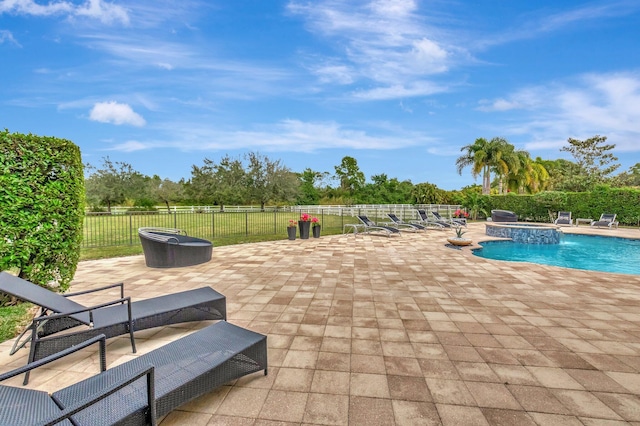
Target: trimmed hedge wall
column 544, row 206
column 41, row 208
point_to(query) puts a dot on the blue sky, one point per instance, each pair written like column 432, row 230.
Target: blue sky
column 400, row 85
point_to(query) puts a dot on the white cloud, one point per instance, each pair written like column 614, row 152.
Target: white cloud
column 418, row 88
column 534, row 27
column 283, row 136
column 105, row 12
column 95, row 9
column 7, row 36
column 116, row 113
column 340, row 74
column 130, row 146
column 603, row 104
column 386, row 44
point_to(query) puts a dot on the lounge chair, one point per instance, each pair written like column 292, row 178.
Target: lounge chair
column 608, row 220
column 371, row 226
column 139, row 391
column 400, row 224
column 564, row 218
column 62, row 323
column 426, row 221
column 455, row 222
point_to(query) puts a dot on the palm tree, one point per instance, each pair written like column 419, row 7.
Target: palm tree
column 507, row 161
column 483, row 156
column 530, row 176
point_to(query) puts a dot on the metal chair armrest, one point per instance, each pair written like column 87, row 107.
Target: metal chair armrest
column 101, row 339
column 148, row 371
column 121, row 285
column 87, row 309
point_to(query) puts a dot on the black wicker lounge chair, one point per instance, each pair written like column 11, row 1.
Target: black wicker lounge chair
column 139, row 391
column 371, row 226
column 63, row 323
column 606, row 220
column 172, row 248
column 400, row 224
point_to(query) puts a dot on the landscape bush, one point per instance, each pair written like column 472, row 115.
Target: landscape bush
column 41, row 208
column 542, row 207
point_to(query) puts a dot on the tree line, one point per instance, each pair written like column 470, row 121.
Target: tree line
column 254, row 178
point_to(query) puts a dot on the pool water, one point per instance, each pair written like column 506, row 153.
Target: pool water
column 606, row 254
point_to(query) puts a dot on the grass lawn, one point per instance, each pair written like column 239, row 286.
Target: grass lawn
column 13, row 319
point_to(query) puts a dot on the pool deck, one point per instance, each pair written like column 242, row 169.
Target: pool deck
column 374, row 330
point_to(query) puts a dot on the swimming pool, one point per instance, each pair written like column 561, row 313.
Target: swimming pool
column 595, row 253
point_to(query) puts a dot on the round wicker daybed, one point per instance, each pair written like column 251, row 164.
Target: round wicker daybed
column 503, row 216
column 173, row 248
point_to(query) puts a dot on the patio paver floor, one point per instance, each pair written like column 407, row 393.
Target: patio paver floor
column 369, row 330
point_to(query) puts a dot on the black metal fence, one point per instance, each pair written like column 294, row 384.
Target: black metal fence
column 103, row 229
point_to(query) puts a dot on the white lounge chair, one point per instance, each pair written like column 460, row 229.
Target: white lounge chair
column 606, row 219
column 564, row 218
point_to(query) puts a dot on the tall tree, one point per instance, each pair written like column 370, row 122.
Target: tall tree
column 484, row 156
column 349, row 175
column 220, row 183
column 563, row 175
column 428, row 193
column 114, row 183
column 167, row 191
column 529, row 176
column 629, row 178
column 309, row 182
column 268, row 180
column 506, row 161
column 594, row 158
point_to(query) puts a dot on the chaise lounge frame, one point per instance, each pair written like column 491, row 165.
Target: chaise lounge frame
column 62, row 322
column 400, row 224
column 564, row 218
column 455, row 222
column 371, row 226
column 139, row 391
column 606, row 220
column 426, row 221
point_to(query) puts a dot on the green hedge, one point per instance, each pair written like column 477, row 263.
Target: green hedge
column 41, row 208
column 544, row 206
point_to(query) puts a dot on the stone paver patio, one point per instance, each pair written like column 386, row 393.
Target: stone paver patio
column 368, row 330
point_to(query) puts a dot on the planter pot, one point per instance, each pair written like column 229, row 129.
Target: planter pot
column 459, row 241
column 316, row 231
column 304, row 229
column 291, row 231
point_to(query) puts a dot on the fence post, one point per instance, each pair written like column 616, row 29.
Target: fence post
column 246, row 223
column 130, row 229
column 175, row 220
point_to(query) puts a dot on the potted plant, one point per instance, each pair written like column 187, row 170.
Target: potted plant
column 304, row 224
column 459, row 240
column 315, row 225
column 291, row 229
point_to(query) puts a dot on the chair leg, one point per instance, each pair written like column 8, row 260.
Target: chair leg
column 32, row 352
column 133, row 340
